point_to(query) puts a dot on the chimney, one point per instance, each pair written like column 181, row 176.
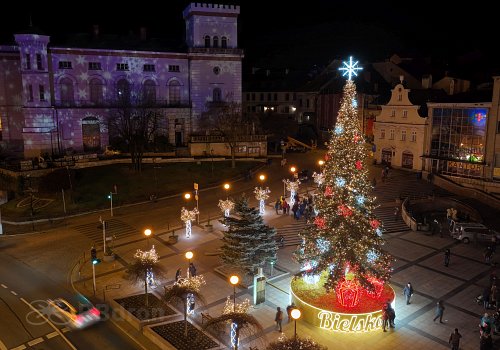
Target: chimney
column 95, row 30
column 143, row 33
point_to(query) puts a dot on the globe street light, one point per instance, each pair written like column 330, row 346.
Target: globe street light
column 295, row 315
column 226, row 187
column 189, row 256
column 234, row 281
column 147, row 233
column 187, row 196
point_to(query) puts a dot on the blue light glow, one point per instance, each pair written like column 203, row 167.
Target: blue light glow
column 350, row 68
column 379, row 232
column 323, row 245
column 371, row 256
column 340, row 182
column 360, row 199
column 339, row 129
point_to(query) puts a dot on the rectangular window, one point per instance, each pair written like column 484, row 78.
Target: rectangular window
column 253, row 96
column 269, row 96
column 65, row 65
column 253, row 150
column 28, row 61
column 248, row 96
column 122, row 66
column 393, row 113
column 261, row 96
column 300, row 102
column 276, row 97
column 307, row 103
column 403, row 135
column 382, row 133
column 413, row 136
column 241, row 149
column 149, row 68
column 39, row 65
column 405, row 114
column 286, row 109
column 41, row 90
column 400, row 97
column 391, row 134
column 94, row 65
column 30, row 93
column 174, row 68
column 294, row 96
column 287, row 97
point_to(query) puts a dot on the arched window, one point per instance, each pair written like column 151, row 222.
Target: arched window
column 217, row 95
column 149, row 92
column 207, row 41
column 174, row 92
column 123, row 90
column 67, row 93
column 96, row 91
column 223, row 42
column 216, row 41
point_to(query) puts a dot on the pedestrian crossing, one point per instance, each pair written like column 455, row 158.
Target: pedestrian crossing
column 114, row 227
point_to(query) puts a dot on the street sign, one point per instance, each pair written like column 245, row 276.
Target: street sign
column 196, row 186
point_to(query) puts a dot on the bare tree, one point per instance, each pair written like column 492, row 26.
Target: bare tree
column 227, row 120
column 135, row 120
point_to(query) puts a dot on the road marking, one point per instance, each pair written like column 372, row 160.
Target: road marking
column 13, row 292
column 4, row 286
column 52, row 335
column 49, row 323
column 35, row 341
column 20, row 347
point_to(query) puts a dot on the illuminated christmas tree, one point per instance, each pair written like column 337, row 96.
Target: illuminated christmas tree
column 345, row 240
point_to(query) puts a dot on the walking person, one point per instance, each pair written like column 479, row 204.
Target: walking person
column 385, row 317
column 278, row 319
column 391, row 314
column 408, row 292
column 192, row 270
column 439, row 311
column 178, row 275
column 454, row 340
column 447, row 255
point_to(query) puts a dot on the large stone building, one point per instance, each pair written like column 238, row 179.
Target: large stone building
column 57, row 99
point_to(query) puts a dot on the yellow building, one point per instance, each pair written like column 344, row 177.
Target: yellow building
column 399, row 131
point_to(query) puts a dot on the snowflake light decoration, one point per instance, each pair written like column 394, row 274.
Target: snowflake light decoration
column 319, row 178
column 350, row 68
column 192, row 282
column 148, row 257
column 293, row 187
column 241, row 308
column 226, row 206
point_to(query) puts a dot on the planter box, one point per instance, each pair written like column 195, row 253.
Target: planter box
column 109, row 258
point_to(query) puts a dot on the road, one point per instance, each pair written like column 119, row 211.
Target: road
column 21, row 327
column 36, row 266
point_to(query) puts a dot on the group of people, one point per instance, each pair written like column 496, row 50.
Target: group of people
column 191, row 272
column 279, row 316
column 301, row 207
column 388, row 316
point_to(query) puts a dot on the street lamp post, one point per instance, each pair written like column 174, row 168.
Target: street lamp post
column 234, row 281
column 189, row 256
column 321, row 162
column 295, row 315
column 195, row 185
column 226, row 187
column 147, row 233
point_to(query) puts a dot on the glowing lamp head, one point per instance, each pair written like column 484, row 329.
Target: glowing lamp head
column 147, row 232
column 293, row 169
column 189, row 255
column 296, row 314
column 262, row 177
column 234, row 280
column 187, row 196
column 321, row 162
column 227, row 186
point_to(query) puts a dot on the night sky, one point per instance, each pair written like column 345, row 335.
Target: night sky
column 281, row 33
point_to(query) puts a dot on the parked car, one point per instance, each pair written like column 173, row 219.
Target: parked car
column 76, row 312
column 482, row 234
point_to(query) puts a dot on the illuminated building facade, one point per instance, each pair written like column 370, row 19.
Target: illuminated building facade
column 57, row 100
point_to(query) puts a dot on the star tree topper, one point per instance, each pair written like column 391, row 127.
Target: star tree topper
column 350, row 68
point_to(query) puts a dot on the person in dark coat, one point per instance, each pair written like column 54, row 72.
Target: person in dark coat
column 192, row 270
column 178, row 275
column 408, row 292
column 447, row 254
column 439, row 311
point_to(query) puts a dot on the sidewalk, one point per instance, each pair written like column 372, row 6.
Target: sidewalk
column 419, row 259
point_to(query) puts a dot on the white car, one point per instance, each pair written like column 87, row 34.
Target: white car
column 77, row 312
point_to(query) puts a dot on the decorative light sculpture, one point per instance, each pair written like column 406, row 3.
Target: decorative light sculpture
column 187, row 216
column 261, row 195
column 293, row 187
column 226, row 206
column 319, row 178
